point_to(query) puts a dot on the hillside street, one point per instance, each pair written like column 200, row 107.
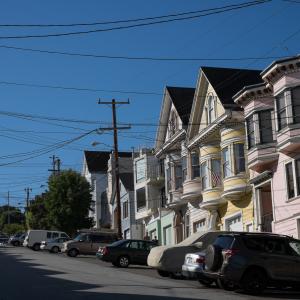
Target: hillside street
column 36, row 275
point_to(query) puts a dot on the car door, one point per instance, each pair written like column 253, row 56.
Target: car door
column 145, row 250
column 85, row 244
column 278, row 260
column 294, row 245
column 135, row 252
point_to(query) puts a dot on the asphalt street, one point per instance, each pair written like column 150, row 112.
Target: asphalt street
column 25, row 274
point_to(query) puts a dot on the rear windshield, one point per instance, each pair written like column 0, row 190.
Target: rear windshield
column 224, row 242
column 118, row 243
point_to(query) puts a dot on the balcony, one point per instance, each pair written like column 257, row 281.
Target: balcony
column 155, row 175
column 235, row 187
column 192, row 190
column 288, row 139
column 262, row 157
column 212, row 198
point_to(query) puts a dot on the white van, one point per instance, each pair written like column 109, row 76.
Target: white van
column 34, row 238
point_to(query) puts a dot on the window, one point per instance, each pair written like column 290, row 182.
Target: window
column 48, row 235
column 199, row 225
column 169, row 182
column 187, row 225
column 295, row 245
column 281, row 111
column 296, row 104
column 140, row 169
column 204, row 178
column 136, row 245
column 226, row 163
column 290, row 180
column 215, row 172
column 163, row 197
column 184, row 168
column 195, row 165
column 63, row 235
column 140, row 198
column 250, row 132
column 125, row 209
column 172, row 124
column 224, row 242
column 210, row 109
column 55, row 235
column 265, row 126
column 239, row 158
column 178, row 176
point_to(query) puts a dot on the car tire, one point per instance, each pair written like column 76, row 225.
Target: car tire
column 36, row 247
column 123, row 261
column 226, row 285
column 73, row 252
column 254, row 281
column 163, row 273
column 213, row 258
column 54, row 249
column 206, row 282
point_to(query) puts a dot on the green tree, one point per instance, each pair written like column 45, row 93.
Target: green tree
column 37, row 215
column 13, row 228
column 68, row 201
column 15, row 216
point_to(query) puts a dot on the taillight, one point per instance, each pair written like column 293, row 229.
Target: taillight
column 105, row 251
column 229, row 253
column 200, row 260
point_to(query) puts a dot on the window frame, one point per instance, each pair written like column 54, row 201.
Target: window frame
column 293, row 104
column 281, row 125
column 226, row 165
column 195, row 168
column 125, row 210
column 184, row 168
column 262, row 133
column 219, row 183
column 295, row 171
column 250, row 133
column 237, row 159
column 204, row 177
column 140, row 207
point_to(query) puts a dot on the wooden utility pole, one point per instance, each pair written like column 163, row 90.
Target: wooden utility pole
column 116, row 156
column 27, row 191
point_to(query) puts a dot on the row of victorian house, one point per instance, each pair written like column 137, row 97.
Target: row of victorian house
column 226, row 157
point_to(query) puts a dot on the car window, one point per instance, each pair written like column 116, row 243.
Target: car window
column 49, row 235
column 147, row 246
column 97, row 238
column 136, row 245
column 295, row 245
column 55, row 235
column 63, row 235
column 224, row 242
column 275, row 246
column 256, row 244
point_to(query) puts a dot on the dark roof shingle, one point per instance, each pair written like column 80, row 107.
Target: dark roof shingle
column 182, row 99
column 97, row 160
column 227, row 82
column 127, row 180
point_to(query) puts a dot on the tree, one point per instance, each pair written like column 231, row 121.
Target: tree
column 37, row 215
column 15, row 215
column 68, row 201
column 13, row 228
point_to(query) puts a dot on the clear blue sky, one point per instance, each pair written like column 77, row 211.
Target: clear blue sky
column 256, row 31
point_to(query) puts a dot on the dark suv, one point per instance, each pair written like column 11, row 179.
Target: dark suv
column 253, row 261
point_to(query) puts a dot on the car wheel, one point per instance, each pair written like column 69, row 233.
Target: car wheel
column 55, row 249
column 163, row 273
column 36, row 247
column 226, row 285
column 73, row 252
column 123, row 261
column 254, row 281
column 206, row 281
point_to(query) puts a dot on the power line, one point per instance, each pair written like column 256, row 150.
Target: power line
column 139, row 58
column 123, row 21
column 241, row 6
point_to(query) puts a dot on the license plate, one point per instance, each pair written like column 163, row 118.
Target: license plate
column 189, row 260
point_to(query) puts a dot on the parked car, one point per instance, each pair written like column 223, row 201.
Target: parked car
column 34, row 238
column 3, row 238
column 168, row 260
column 88, row 243
column 194, row 264
column 125, row 252
column 55, row 245
column 17, row 239
column 253, row 261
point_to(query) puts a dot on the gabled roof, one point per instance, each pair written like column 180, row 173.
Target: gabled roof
column 182, row 99
column 127, row 180
column 96, row 160
column 227, row 82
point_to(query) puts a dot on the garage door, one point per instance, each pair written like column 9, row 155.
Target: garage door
column 234, row 224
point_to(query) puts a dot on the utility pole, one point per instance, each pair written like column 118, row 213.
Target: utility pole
column 56, row 162
column 116, row 155
column 8, row 209
column 27, row 191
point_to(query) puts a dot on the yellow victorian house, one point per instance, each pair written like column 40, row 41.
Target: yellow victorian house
column 217, row 133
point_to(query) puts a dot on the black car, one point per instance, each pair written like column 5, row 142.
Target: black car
column 3, row 238
column 254, row 261
column 125, row 252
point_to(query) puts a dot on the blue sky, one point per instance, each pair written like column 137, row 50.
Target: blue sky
column 258, row 31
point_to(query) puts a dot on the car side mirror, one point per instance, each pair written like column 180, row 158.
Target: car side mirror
column 198, row 245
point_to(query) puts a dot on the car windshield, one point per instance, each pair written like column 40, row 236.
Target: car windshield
column 80, row 237
column 118, row 243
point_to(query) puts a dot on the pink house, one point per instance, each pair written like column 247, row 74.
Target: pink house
column 272, row 113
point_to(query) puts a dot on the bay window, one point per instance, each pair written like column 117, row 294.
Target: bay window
column 239, row 158
column 216, row 172
column 204, row 177
column 250, row 132
column 296, row 104
column 226, row 166
column 195, row 165
column 178, row 176
column 281, row 111
column 265, row 126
